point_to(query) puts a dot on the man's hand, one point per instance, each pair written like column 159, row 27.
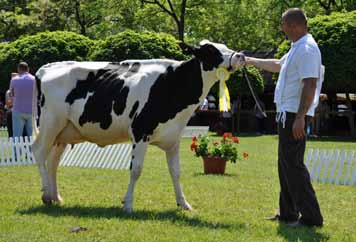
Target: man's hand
column 299, row 128
column 271, row 65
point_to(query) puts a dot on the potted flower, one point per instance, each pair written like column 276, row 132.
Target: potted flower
column 215, row 153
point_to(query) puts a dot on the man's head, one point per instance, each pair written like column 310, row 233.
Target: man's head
column 294, row 24
column 22, row 67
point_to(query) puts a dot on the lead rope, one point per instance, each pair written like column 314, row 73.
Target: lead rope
column 244, row 70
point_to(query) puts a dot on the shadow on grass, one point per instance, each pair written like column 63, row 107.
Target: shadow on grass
column 306, row 234
column 173, row 215
column 203, row 174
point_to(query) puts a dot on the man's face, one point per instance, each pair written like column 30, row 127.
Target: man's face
column 288, row 29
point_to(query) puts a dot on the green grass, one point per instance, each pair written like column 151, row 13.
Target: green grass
column 227, row 208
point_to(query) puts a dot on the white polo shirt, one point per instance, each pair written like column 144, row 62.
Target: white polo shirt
column 302, row 61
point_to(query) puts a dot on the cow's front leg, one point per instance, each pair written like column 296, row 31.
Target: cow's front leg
column 138, row 154
column 173, row 161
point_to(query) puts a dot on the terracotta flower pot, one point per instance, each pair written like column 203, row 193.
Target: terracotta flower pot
column 214, row 165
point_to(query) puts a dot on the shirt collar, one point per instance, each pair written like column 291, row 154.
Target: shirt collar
column 301, row 40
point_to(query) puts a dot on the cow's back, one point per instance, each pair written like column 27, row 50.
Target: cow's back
column 99, row 99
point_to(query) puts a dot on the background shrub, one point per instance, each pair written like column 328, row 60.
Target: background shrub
column 133, row 45
column 41, row 49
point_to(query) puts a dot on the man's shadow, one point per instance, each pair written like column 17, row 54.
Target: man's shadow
column 173, row 215
column 306, row 234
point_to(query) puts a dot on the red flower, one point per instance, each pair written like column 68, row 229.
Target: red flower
column 245, row 154
column 227, row 135
column 235, row 139
column 194, row 138
column 193, row 146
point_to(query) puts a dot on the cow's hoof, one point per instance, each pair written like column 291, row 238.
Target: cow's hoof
column 185, row 206
column 46, row 200
column 58, row 200
column 127, row 209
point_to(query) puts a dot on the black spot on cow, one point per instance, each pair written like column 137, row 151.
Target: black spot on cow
column 40, row 95
column 133, row 110
column 210, row 56
column 131, row 165
column 133, row 69
column 108, row 92
column 43, row 100
column 172, row 92
column 133, row 146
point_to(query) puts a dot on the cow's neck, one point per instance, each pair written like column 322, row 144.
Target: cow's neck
column 208, row 78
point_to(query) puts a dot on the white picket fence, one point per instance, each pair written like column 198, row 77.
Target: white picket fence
column 90, row 155
column 16, row 151
column 190, row 131
column 82, row 155
column 332, row 166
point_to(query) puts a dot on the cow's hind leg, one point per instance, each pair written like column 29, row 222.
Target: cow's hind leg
column 51, row 125
column 173, row 161
column 52, row 165
column 138, row 153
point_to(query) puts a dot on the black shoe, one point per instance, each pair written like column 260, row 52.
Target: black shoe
column 275, row 217
column 295, row 224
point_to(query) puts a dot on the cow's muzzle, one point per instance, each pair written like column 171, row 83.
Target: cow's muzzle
column 241, row 58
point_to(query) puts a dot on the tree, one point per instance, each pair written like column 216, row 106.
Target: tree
column 176, row 9
column 87, row 14
column 335, row 5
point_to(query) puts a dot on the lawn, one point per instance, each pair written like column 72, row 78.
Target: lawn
column 227, row 208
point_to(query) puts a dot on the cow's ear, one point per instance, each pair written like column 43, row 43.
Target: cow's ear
column 187, row 49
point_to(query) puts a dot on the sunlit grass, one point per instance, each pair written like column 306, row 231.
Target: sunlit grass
column 227, row 208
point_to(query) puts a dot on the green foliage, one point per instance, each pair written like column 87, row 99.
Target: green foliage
column 41, row 49
column 335, row 34
column 134, row 45
column 226, row 148
column 237, row 84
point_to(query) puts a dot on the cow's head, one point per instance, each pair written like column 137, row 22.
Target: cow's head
column 213, row 55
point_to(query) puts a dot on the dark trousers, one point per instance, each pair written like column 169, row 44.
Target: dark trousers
column 9, row 122
column 297, row 195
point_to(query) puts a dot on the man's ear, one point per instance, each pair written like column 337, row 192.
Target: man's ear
column 187, row 49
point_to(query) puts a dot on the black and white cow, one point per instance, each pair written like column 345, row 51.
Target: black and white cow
column 145, row 101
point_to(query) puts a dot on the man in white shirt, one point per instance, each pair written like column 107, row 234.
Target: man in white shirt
column 296, row 97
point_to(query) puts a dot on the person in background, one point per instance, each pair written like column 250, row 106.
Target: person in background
column 296, row 97
column 9, row 102
column 21, row 90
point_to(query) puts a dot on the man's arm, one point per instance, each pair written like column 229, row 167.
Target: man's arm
column 271, row 65
column 306, row 101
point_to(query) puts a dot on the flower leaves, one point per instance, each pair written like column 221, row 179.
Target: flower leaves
column 226, row 148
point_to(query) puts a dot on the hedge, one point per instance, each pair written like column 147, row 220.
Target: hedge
column 133, row 45
column 41, row 49
column 336, row 37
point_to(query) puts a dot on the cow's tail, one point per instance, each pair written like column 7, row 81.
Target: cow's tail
column 35, row 102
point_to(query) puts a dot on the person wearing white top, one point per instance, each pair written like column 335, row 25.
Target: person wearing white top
column 296, row 96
